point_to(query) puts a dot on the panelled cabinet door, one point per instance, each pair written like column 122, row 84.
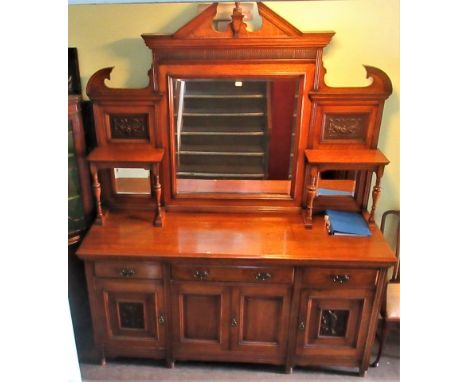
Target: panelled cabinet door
column 333, row 322
column 200, row 314
column 133, row 313
column 259, row 319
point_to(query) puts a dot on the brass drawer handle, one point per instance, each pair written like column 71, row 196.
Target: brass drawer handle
column 263, row 276
column 162, row 319
column 234, row 322
column 127, row 272
column 301, row 326
column 200, row 275
column 340, row 279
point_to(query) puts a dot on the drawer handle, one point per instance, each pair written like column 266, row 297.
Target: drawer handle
column 200, row 275
column 301, row 326
column 127, row 272
column 162, row 319
column 234, row 322
column 340, row 279
column 263, row 276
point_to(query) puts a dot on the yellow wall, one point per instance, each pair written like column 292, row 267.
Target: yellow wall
column 367, row 32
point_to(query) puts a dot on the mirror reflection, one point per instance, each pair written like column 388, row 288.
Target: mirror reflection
column 132, row 181
column 234, row 136
column 337, row 183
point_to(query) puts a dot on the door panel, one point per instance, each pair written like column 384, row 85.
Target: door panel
column 333, row 322
column 133, row 312
column 200, row 314
column 261, row 317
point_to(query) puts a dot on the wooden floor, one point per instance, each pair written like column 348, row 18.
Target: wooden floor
column 146, row 370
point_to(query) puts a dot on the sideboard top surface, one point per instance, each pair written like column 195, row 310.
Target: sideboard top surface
column 268, row 237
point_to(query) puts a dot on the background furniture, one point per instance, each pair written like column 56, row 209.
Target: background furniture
column 233, row 275
column 80, row 216
column 390, row 311
column 80, row 202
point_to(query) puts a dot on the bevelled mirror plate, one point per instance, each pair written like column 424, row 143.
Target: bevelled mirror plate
column 234, row 135
column 337, row 183
column 132, row 181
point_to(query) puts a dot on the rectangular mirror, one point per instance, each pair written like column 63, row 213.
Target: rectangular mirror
column 132, row 181
column 234, row 135
column 337, row 183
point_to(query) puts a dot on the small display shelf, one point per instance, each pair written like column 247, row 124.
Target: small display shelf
column 343, row 159
column 106, row 157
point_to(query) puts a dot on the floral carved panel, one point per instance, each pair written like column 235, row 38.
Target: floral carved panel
column 333, row 322
column 349, row 126
column 133, row 126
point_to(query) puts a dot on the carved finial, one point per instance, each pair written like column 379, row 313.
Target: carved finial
column 237, row 25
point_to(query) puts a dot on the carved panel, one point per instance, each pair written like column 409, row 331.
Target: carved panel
column 349, row 126
column 333, row 322
column 129, row 126
column 237, row 54
column 131, row 315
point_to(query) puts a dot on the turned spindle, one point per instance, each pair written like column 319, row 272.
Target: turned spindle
column 97, row 194
column 157, row 221
column 376, row 193
column 311, row 194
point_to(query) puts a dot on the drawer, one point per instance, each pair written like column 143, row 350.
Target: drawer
column 128, row 270
column 339, row 277
column 280, row 275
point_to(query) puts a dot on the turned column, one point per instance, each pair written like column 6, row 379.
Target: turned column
column 376, row 193
column 97, row 194
column 156, row 186
column 311, row 193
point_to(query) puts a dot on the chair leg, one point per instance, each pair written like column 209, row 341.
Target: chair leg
column 383, row 337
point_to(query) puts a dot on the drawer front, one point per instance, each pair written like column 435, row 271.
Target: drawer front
column 128, row 270
column 283, row 275
column 339, row 277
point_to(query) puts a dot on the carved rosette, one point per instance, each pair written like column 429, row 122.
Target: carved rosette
column 129, row 126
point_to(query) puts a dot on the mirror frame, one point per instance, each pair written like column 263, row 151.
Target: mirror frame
column 236, row 201
column 197, row 50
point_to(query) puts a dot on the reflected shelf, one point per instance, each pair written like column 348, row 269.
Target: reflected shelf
column 230, row 133
column 221, row 150
column 223, row 96
column 221, row 113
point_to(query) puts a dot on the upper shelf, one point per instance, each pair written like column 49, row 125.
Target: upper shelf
column 110, row 154
column 351, row 157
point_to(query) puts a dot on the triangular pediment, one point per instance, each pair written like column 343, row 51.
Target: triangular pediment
column 273, row 25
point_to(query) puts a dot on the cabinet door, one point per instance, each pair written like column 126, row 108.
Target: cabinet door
column 260, row 317
column 201, row 314
column 133, row 315
column 333, row 323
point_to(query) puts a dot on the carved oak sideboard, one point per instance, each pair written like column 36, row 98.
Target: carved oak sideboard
column 220, row 251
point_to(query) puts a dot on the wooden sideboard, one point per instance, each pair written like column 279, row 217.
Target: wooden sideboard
column 252, row 138
column 242, row 288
